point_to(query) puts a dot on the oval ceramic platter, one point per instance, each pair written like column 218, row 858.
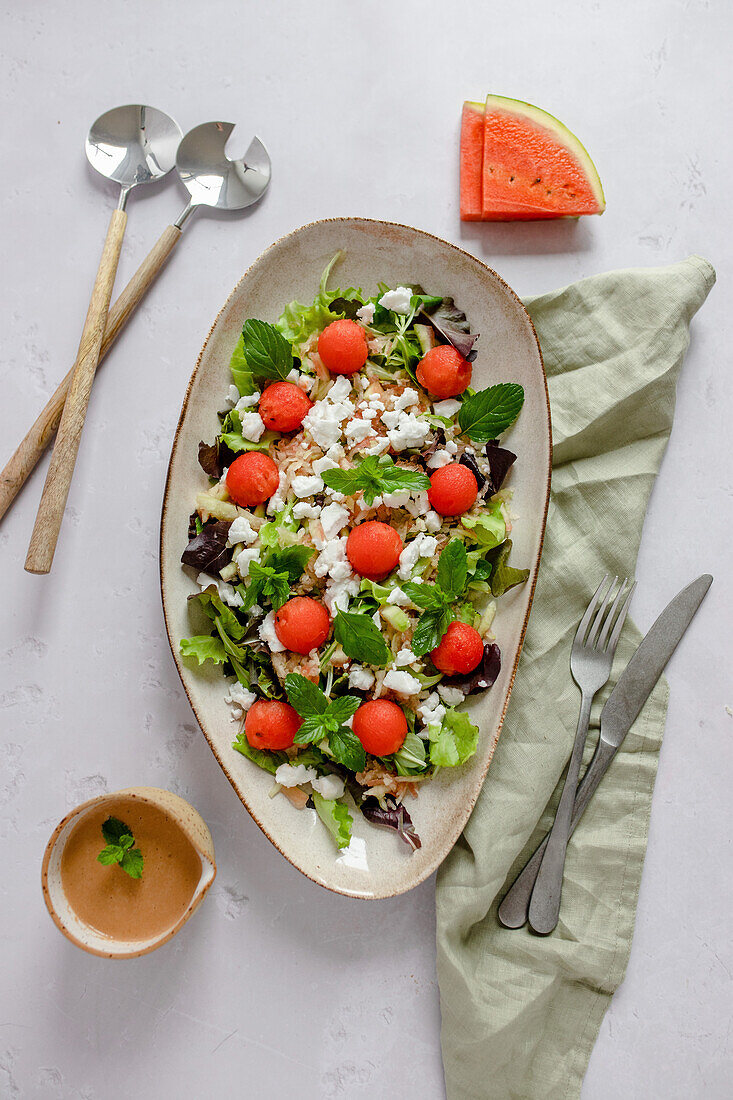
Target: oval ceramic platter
column 377, row 863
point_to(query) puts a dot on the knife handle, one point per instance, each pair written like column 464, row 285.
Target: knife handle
column 514, row 909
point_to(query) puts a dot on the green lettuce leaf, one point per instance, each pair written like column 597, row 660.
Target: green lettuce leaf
column 204, row 647
column 336, row 817
column 268, row 761
column 454, row 741
column 488, row 528
column 297, row 321
column 410, row 760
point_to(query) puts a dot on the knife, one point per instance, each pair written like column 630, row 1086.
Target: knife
column 622, row 708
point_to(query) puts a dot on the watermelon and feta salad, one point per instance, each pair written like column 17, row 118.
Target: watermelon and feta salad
column 351, row 546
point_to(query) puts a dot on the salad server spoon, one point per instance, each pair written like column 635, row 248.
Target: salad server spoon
column 244, row 180
column 131, row 145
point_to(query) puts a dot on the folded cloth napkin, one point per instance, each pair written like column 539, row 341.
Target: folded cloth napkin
column 521, row 1012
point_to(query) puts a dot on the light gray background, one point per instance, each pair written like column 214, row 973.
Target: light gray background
column 278, row 987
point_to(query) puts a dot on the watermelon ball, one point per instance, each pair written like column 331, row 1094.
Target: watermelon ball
column 302, row 624
column 252, row 479
column 453, row 489
column 444, row 372
column 342, row 347
column 374, row 548
column 381, row 726
column 459, row 651
column 283, row 407
column 271, row 724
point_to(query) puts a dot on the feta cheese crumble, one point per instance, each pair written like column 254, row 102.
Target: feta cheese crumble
column 227, row 592
column 398, row 300
column 306, row 486
column 292, row 775
column 422, row 546
column 448, row 408
column 245, row 559
column 253, row 426
column 365, row 313
column 267, row 633
column 329, row 786
column 334, row 517
column 240, row 699
column 401, row 682
column 360, row 678
column 241, row 530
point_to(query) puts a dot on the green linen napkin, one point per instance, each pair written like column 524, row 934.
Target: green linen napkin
column 521, row 1012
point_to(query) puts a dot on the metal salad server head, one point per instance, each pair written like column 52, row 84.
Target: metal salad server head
column 132, row 145
column 212, row 178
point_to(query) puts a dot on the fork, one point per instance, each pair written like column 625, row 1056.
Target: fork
column 590, row 664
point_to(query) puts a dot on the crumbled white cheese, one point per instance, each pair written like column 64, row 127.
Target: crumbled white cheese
column 227, row 592
column 450, row 695
column 451, row 446
column 305, row 486
column 409, row 432
column 399, row 598
column 422, row 546
column 398, row 300
column 267, row 633
column 377, row 447
column 376, row 402
column 252, row 426
column 404, row 657
column 292, row 775
column 361, row 678
column 432, row 711
column 396, row 500
column 391, row 418
column 245, row 559
column 377, row 620
column 248, row 401
column 322, row 464
column 232, row 397
column 448, row 408
column 323, row 422
column 357, row 429
column 332, row 494
column 339, row 592
column 334, row 517
column 419, row 505
column 293, row 375
column 241, row 530
column 439, row 458
column 303, row 510
column 401, row 682
column 340, row 390
column 335, row 453
column 368, row 413
column 240, row 699
column 365, row 313
column 406, row 399
column 332, row 561
column 364, row 507
column 276, row 502
column 329, row 786
column 432, row 521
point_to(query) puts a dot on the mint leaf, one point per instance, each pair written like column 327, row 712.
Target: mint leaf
column 360, row 638
column 241, row 374
column 454, row 741
column 265, row 584
column 204, row 648
column 336, row 817
column 372, row 476
column 410, row 758
column 343, row 707
column 423, row 595
column 111, row 854
column 291, row 560
column 488, row 413
column 431, row 627
column 267, row 352
column 347, row 749
column 132, row 863
column 113, row 830
column 452, row 569
column 313, row 728
column 305, row 696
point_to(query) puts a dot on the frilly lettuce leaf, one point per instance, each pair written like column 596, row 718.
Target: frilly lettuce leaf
column 454, row 741
column 488, row 528
column 336, row 817
column 298, row 321
column 204, row 647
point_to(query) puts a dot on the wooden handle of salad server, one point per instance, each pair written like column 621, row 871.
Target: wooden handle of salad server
column 23, row 461
column 61, row 470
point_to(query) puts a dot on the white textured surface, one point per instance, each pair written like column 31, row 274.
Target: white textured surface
column 277, row 986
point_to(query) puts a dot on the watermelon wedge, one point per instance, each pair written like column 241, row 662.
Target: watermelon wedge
column 472, row 161
column 533, row 166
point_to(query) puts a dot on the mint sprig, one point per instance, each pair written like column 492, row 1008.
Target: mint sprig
column 485, row 415
column 438, row 600
column 325, row 719
column 272, row 580
column 360, row 638
column 373, row 476
column 267, row 353
column 120, row 848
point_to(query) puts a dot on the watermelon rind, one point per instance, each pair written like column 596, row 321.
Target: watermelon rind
column 564, row 136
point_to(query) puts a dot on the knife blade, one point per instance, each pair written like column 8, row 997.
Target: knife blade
column 621, row 710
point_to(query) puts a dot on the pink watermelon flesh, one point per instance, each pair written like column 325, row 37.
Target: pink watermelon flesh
column 472, row 161
column 532, row 171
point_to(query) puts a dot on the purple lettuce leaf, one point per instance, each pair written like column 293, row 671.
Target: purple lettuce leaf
column 210, row 459
column 452, row 324
column 483, row 676
column 208, row 551
column 500, row 462
column 394, row 817
column 470, row 462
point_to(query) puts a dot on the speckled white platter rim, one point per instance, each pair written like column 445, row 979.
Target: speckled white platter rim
column 376, row 864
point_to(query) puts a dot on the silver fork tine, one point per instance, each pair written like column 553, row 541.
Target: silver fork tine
column 611, row 617
column 600, row 615
column 583, row 625
column 613, row 641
